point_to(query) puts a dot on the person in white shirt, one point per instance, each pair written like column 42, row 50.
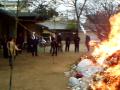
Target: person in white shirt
column 34, row 44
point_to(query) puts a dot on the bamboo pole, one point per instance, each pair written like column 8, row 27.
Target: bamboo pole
column 11, row 66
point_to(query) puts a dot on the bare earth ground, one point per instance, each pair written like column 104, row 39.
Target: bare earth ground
column 43, row 72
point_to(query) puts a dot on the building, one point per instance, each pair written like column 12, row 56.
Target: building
column 7, row 24
column 21, row 29
column 59, row 27
column 12, row 5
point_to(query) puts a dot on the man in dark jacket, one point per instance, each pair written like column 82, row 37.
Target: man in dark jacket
column 34, row 44
column 59, row 41
column 76, row 42
column 87, row 40
column 5, row 49
column 54, row 46
column 67, row 41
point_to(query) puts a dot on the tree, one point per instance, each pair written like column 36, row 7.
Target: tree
column 44, row 12
column 78, row 8
column 43, row 8
column 22, row 4
column 99, row 17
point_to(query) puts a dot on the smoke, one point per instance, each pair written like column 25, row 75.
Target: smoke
column 83, row 29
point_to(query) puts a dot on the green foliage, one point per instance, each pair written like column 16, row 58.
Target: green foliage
column 71, row 25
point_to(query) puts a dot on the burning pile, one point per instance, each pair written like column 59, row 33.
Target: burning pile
column 104, row 64
column 109, row 78
column 108, row 56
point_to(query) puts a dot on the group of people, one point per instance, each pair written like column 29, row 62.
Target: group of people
column 55, row 43
column 77, row 42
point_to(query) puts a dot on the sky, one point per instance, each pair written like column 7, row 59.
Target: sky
column 62, row 8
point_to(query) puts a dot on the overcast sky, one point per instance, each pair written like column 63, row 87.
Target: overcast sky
column 63, row 8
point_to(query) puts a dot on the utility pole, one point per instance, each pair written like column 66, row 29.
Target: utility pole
column 16, row 18
column 12, row 66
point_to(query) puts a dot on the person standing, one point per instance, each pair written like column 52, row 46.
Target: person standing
column 34, row 45
column 59, row 41
column 54, row 46
column 12, row 48
column 5, row 49
column 76, row 42
column 87, row 40
column 51, row 41
column 67, row 43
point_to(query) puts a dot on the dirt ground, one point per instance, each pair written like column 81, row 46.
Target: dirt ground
column 43, row 72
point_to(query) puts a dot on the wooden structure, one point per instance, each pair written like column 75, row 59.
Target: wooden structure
column 26, row 24
column 7, row 24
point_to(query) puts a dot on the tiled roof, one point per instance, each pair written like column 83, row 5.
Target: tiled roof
column 54, row 25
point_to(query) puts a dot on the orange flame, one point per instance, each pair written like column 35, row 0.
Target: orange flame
column 114, row 71
column 111, row 76
column 110, row 46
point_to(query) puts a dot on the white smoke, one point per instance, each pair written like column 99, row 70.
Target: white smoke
column 83, row 29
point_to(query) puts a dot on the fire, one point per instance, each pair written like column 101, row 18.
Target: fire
column 107, row 54
column 110, row 46
column 114, row 71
